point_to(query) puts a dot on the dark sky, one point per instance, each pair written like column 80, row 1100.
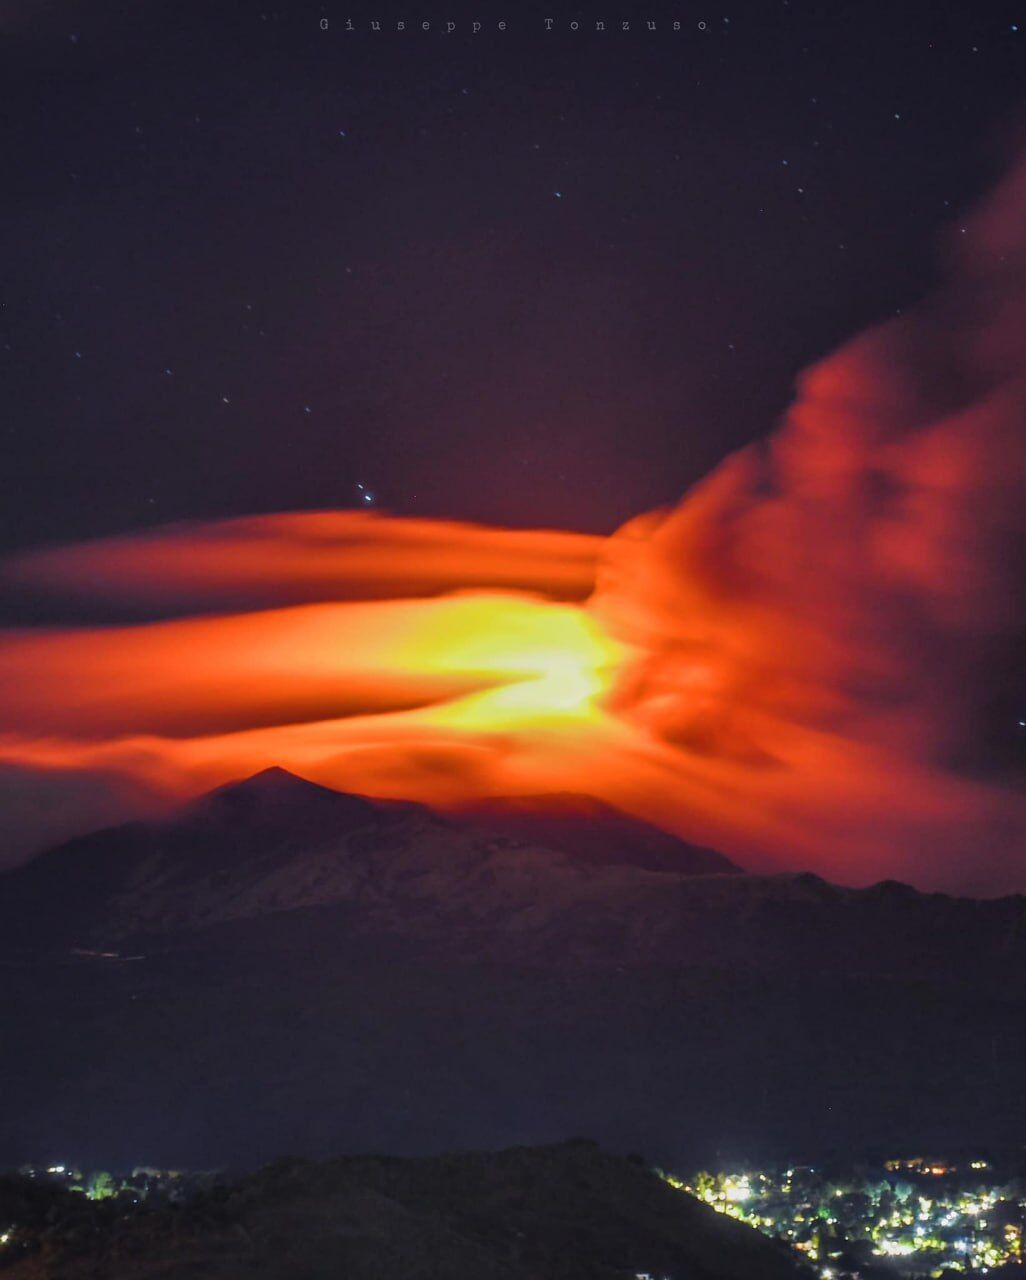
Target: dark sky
column 524, row 277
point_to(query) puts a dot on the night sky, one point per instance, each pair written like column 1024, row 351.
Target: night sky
column 531, row 278
column 446, row 414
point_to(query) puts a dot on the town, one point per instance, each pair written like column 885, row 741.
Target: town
column 908, row 1217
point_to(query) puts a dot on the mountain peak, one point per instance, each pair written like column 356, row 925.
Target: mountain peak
column 275, row 841
column 271, row 806
column 273, row 780
column 272, row 791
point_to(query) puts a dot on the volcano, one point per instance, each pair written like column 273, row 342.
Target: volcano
column 275, row 842
column 279, row 967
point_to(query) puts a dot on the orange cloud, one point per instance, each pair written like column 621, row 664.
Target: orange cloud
column 397, row 698
column 297, row 557
column 827, row 621
column 797, row 664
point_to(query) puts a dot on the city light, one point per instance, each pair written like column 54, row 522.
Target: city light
column 924, row 1217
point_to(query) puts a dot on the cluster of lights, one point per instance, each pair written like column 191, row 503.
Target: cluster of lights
column 947, row 1221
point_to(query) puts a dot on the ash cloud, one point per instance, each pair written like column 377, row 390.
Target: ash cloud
column 838, row 612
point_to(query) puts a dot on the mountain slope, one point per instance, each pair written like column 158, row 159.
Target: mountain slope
column 284, row 968
column 460, row 888
column 593, row 832
column 277, row 843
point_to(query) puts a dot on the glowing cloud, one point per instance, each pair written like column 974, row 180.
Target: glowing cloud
column 797, row 664
column 826, row 624
column 296, row 557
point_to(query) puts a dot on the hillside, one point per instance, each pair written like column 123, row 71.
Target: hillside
column 592, row 832
column 569, row 1212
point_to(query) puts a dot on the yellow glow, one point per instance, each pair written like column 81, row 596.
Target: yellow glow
column 551, row 662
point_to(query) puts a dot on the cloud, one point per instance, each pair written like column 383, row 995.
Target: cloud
column 296, row 557
column 828, row 621
column 811, row 661
column 435, row 699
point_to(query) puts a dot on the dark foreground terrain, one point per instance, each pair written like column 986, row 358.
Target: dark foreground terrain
column 568, row 1212
column 281, row 968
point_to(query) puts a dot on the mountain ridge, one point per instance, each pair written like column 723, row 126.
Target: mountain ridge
column 474, row 888
column 275, row 841
column 372, row 975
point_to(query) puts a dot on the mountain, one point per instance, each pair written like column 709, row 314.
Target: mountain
column 275, row 842
column 593, row 832
column 512, row 882
column 567, row 1212
column 280, row 967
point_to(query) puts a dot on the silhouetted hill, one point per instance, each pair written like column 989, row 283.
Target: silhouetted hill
column 569, row 1212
